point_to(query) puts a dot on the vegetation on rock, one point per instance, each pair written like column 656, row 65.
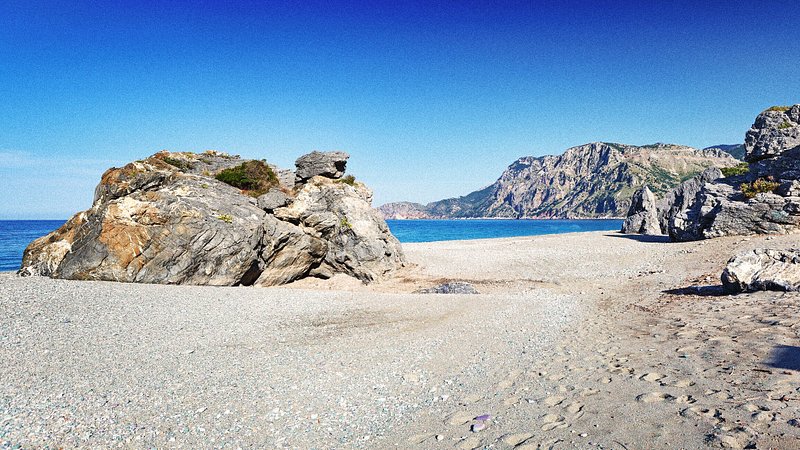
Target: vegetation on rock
column 759, row 186
column 348, row 179
column 779, row 108
column 739, row 169
column 253, row 177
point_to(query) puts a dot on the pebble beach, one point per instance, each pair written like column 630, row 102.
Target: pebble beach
column 583, row 340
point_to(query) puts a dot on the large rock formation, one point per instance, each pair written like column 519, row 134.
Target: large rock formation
column 591, row 180
column 763, row 269
column 643, row 215
column 763, row 198
column 168, row 219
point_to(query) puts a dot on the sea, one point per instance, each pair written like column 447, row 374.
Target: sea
column 15, row 235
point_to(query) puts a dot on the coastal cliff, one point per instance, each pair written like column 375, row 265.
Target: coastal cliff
column 589, row 181
column 216, row 219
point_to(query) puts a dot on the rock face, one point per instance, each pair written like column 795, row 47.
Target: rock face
column 325, row 164
column 166, row 219
column 763, row 269
column 643, row 215
column 770, row 203
column 588, row 181
column 774, row 131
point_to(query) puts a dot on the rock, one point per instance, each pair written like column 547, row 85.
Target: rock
column 683, row 196
column 763, row 269
column 358, row 241
column 404, row 210
column 164, row 220
column 789, row 188
column 774, row 131
column 452, row 287
column 642, row 216
column 325, row 164
column 274, row 198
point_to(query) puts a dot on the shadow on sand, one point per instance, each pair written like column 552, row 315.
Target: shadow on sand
column 701, row 291
column 785, row 357
column 642, row 237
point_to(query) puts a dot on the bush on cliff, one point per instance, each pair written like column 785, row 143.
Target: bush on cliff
column 739, row 169
column 253, row 177
column 761, row 185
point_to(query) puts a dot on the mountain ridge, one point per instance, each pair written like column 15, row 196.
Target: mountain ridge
column 594, row 180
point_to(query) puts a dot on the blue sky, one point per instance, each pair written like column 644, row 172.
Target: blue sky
column 431, row 101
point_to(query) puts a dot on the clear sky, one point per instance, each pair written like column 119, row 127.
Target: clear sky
column 430, row 101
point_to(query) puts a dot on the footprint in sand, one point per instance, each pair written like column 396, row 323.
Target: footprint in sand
column 574, row 408
column 515, row 439
column 654, row 397
column 553, row 400
column 470, row 443
column 459, row 418
column 700, row 412
column 683, row 383
column 652, row 377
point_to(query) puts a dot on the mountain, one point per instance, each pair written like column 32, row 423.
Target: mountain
column 735, row 150
column 588, row 181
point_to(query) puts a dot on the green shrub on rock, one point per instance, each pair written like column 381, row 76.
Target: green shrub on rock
column 761, row 185
column 253, row 177
column 739, row 169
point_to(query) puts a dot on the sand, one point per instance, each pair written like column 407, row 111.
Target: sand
column 576, row 341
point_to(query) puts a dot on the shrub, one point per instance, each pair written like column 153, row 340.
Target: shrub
column 179, row 163
column 253, row 177
column 761, row 185
column 349, row 179
column 344, row 223
column 779, row 108
column 227, row 218
column 739, row 169
column 784, row 125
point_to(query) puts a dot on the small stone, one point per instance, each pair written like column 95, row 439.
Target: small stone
column 480, row 426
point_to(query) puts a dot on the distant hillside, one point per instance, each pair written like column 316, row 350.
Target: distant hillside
column 735, row 150
column 589, row 181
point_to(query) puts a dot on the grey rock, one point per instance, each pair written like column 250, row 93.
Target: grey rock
column 325, row 164
column 722, row 210
column 157, row 221
column 274, row 198
column 763, row 269
column 358, row 240
column 774, row 131
column 452, row 287
column 789, row 188
column 642, row 216
column 683, row 197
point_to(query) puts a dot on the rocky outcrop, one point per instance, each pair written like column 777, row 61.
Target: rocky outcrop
column 682, row 197
column 451, row 287
column 167, row 219
column 589, row 181
column 324, row 164
column 642, row 216
column 763, row 269
column 763, row 199
column 774, row 131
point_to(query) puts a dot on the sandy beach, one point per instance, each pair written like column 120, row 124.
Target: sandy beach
column 575, row 341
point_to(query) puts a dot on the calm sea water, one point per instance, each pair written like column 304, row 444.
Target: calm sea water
column 455, row 230
column 15, row 235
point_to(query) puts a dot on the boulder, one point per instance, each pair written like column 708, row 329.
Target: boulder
column 763, row 269
column 274, row 198
column 642, row 216
column 773, row 132
column 324, row 164
column 167, row 220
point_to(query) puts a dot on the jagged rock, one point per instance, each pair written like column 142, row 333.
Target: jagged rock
column 591, row 180
column 325, row 164
column 642, row 216
column 774, row 131
column 721, row 209
column 358, row 240
column 683, row 196
column 763, row 269
column 274, row 198
column 404, row 210
column 167, row 220
column 452, row 287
